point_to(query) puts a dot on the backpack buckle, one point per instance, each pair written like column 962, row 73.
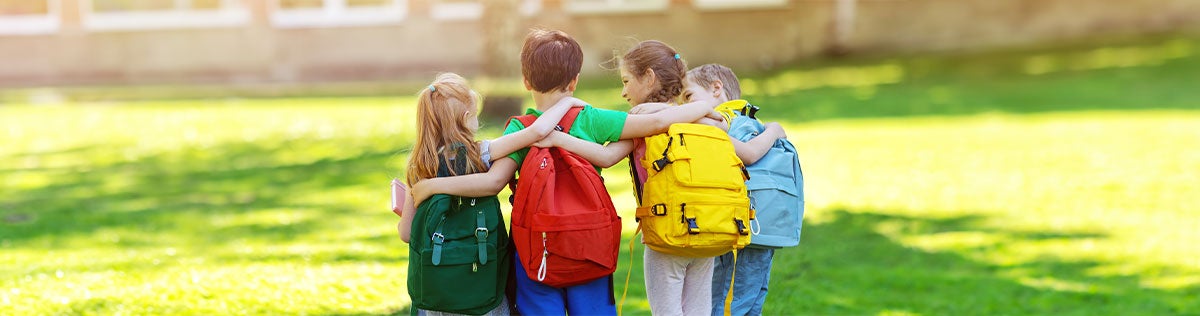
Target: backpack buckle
column 661, row 163
column 659, row 209
column 693, row 229
column 481, row 233
column 741, row 227
column 438, row 238
column 750, row 110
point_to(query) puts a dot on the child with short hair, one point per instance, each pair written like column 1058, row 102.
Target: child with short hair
column 753, row 268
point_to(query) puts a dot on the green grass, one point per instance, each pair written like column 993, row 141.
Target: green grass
column 1018, row 182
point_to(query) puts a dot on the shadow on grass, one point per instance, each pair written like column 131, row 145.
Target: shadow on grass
column 209, row 196
column 847, row 266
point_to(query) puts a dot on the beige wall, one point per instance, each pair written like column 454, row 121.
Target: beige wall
column 756, row 39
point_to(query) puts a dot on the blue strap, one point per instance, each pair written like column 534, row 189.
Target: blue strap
column 438, row 239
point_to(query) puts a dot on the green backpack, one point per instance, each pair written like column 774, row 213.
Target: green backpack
column 458, row 255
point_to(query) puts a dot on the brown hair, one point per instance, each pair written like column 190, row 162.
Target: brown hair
column 442, row 126
column 706, row 74
column 666, row 64
column 550, row 60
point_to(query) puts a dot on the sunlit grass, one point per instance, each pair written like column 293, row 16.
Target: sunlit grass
column 974, row 197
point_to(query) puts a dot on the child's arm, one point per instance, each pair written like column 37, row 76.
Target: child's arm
column 714, row 122
column 654, row 107
column 753, row 150
column 600, row 156
column 409, row 210
column 545, row 124
column 642, row 125
column 474, row 185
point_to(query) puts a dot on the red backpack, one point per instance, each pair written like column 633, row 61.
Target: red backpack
column 564, row 225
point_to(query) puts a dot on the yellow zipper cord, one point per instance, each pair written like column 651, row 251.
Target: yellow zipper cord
column 629, row 273
column 732, row 275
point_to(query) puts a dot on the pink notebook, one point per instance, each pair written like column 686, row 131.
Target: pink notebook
column 399, row 193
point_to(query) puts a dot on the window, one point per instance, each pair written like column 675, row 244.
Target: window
column 738, row 4
column 615, row 6
column 473, row 9
column 324, row 13
column 28, row 17
column 121, row 15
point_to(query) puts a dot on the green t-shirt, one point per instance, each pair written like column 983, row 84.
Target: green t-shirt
column 596, row 125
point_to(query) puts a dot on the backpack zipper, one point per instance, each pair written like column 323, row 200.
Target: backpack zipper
column 545, row 253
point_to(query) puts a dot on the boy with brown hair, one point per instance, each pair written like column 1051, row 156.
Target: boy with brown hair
column 550, row 64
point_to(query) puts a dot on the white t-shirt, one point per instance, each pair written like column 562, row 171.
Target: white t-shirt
column 485, row 154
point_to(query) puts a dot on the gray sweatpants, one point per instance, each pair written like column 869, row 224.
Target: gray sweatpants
column 678, row 285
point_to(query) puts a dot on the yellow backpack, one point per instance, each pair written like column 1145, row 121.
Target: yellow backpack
column 694, row 202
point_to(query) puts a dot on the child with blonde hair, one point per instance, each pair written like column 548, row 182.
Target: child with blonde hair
column 447, row 121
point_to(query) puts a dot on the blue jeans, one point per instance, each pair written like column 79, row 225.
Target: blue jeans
column 750, row 284
column 534, row 298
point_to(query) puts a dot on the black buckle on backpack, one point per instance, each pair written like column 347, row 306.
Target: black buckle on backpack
column 658, row 209
column 742, row 229
column 664, row 161
column 750, row 110
column 661, row 163
column 693, row 229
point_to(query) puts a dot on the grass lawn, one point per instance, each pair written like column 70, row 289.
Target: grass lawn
column 1040, row 181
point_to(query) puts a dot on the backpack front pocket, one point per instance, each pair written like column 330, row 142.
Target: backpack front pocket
column 459, row 283
column 573, row 249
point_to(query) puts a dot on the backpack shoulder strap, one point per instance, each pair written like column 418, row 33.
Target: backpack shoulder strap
column 568, row 120
column 525, row 120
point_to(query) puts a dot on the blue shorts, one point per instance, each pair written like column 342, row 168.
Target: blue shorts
column 750, row 284
column 592, row 298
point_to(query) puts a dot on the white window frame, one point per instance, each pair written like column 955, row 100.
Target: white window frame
column 715, row 5
column 33, row 24
column 335, row 13
column 231, row 14
column 615, row 7
column 474, row 11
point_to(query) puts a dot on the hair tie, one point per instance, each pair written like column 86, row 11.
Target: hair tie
column 432, row 88
column 676, row 56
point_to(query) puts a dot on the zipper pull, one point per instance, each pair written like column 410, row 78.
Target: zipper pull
column 474, row 267
column 545, row 250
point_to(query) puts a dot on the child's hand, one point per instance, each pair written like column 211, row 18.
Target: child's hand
column 420, row 192
column 648, row 108
column 571, row 101
column 551, row 140
column 716, row 116
column 775, row 130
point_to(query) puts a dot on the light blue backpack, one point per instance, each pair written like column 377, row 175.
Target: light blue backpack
column 776, row 182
